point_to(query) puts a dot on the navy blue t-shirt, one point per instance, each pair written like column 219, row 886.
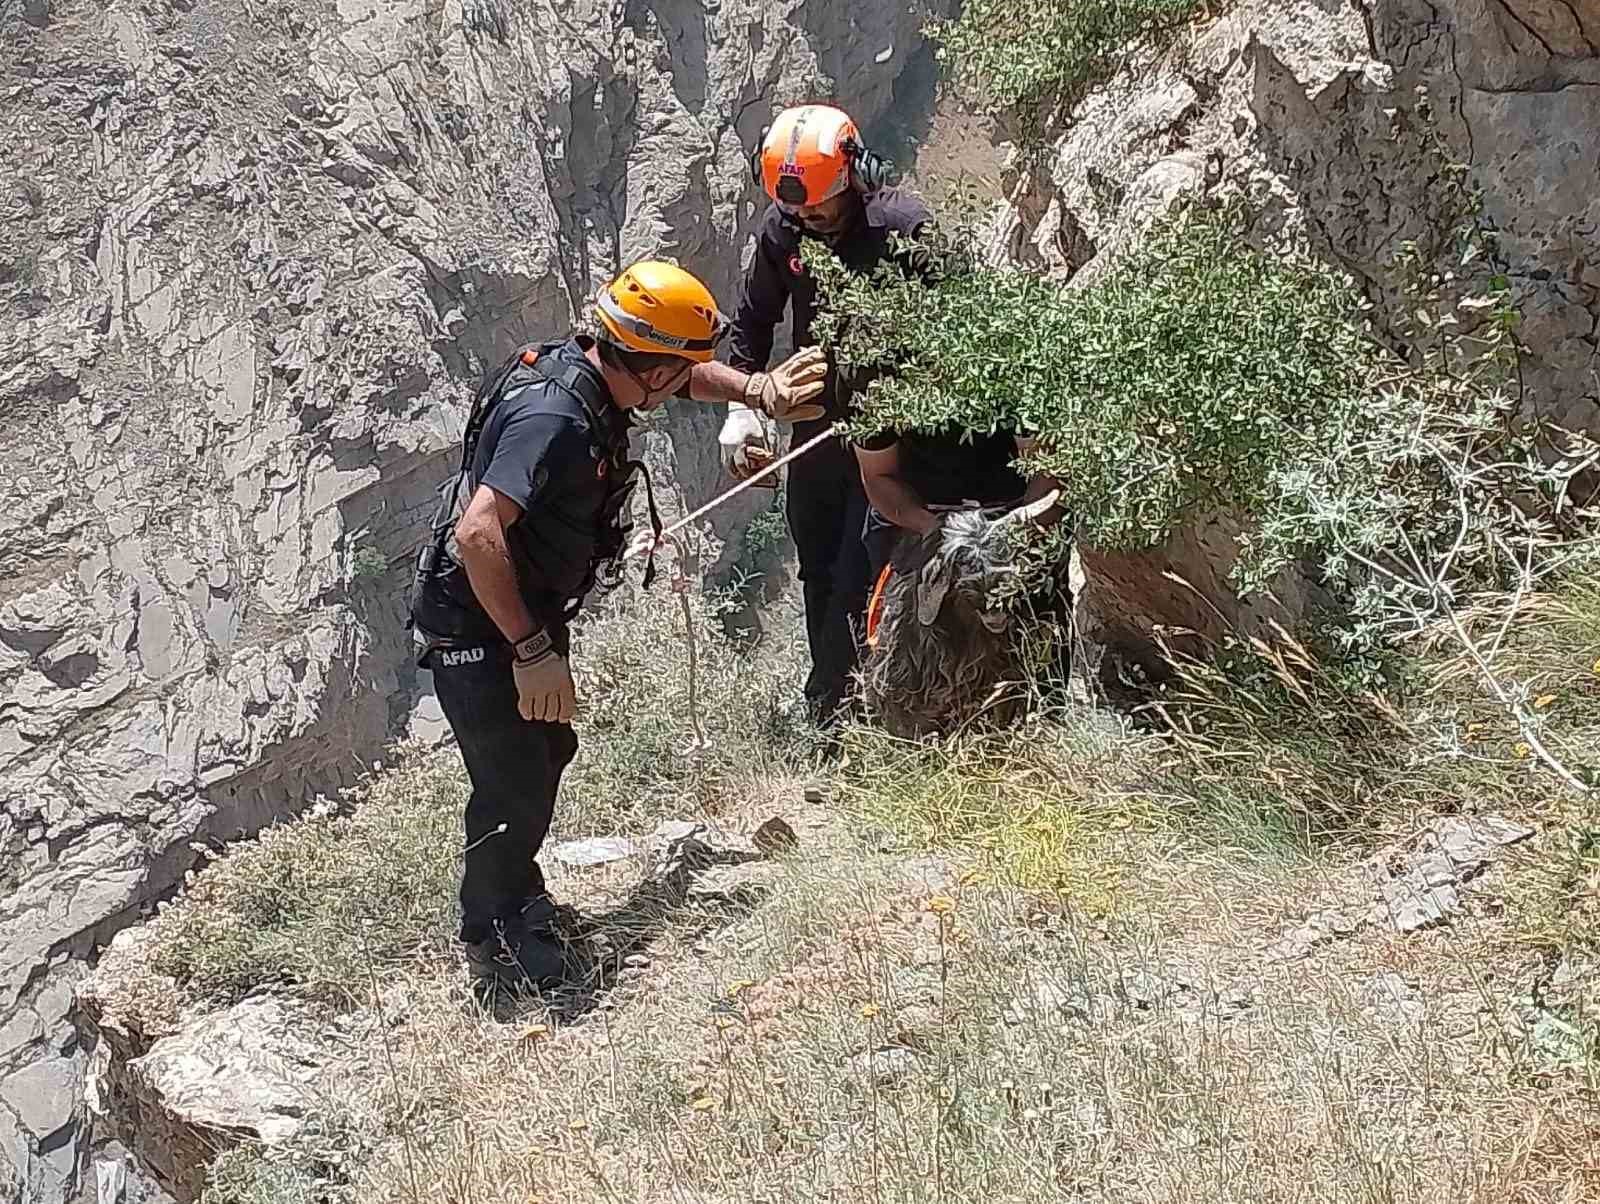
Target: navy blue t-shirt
column 948, row 469
column 540, row 448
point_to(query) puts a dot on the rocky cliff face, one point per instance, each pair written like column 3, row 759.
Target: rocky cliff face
column 252, row 258
column 1315, row 103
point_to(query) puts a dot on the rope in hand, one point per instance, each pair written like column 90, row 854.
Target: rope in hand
column 685, row 567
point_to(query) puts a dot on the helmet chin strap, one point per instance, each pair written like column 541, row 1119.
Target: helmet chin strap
column 646, row 393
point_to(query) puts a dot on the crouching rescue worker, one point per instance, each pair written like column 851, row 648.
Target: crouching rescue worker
column 912, row 480
column 824, row 184
column 537, row 516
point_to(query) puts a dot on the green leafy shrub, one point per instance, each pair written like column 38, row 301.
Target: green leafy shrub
column 1204, row 375
column 1025, row 57
column 1184, row 382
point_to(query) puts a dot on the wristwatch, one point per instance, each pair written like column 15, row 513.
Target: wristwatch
column 533, row 647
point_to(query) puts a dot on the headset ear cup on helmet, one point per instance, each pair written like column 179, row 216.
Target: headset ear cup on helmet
column 755, row 155
column 870, row 170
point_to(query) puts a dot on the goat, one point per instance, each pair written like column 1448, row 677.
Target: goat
column 941, row 654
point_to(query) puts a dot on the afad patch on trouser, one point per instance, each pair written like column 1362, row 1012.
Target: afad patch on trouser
column 454, row 658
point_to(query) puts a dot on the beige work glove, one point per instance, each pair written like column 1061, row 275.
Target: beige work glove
column 787, row 392
column 544, row 688
column 742, row 433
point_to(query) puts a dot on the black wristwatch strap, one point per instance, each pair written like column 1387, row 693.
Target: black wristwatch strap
column 754, row 388
column 534, row 647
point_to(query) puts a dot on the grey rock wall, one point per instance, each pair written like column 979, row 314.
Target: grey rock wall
column 1313, row 105
column 252, row 258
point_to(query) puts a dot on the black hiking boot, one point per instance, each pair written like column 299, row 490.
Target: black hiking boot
column 521, row 954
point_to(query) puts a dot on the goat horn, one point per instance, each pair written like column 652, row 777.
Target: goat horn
column 1030, row 512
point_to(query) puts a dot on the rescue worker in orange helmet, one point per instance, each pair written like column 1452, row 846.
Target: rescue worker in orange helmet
column 823, row 184
column 537, row 516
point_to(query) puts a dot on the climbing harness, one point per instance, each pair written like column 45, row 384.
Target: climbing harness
column 567, row 378
column 432, row 591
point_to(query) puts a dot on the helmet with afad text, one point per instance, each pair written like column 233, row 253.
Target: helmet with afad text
column 812, row 153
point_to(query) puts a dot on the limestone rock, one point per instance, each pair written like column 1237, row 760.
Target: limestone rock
column 675, row 831
column 1390, row 996
column 1421, row 891
column 1051, row 1003
column 243, row 1073
column 42, row 1095
column 887, row 1068
column 596, row 850
column 742, row 885
column 1453, row 852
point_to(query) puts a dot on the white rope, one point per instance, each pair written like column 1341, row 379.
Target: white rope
column 639, row 549
column 680, row 585
column 685, row 569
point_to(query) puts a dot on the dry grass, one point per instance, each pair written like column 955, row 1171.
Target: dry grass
column 1022, row 967
column 1055, row 808
column 309, row 904
column 1025, row 1057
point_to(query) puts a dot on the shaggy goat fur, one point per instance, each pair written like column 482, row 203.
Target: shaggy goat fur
column 943, row 656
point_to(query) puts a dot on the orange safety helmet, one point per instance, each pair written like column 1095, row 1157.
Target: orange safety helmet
column 812, row 153
column 658, row 307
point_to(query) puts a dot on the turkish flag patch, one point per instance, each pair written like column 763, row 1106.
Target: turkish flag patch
column 796, row 268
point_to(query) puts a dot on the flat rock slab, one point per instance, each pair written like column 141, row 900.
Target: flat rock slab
column 676, row 831
column 1413, row 905
column 245, row 1070
column 248, row 1073
column 597, row 850
column 1422, row 894
column 1475, row 841
column 732, row 885
column 43, row 1095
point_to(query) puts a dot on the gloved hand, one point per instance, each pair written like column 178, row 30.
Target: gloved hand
column 785, row 394
column 642, row 544
column 741, row 433
column 544, row 688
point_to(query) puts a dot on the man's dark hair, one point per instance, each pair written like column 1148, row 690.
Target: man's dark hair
column 638, row 362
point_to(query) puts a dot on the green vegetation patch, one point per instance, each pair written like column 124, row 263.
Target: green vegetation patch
column 1187, row 380
column 1023, row 57
column 325, row 903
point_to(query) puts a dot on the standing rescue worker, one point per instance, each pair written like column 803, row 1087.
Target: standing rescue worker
column 542, row 519
column 824, row 184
